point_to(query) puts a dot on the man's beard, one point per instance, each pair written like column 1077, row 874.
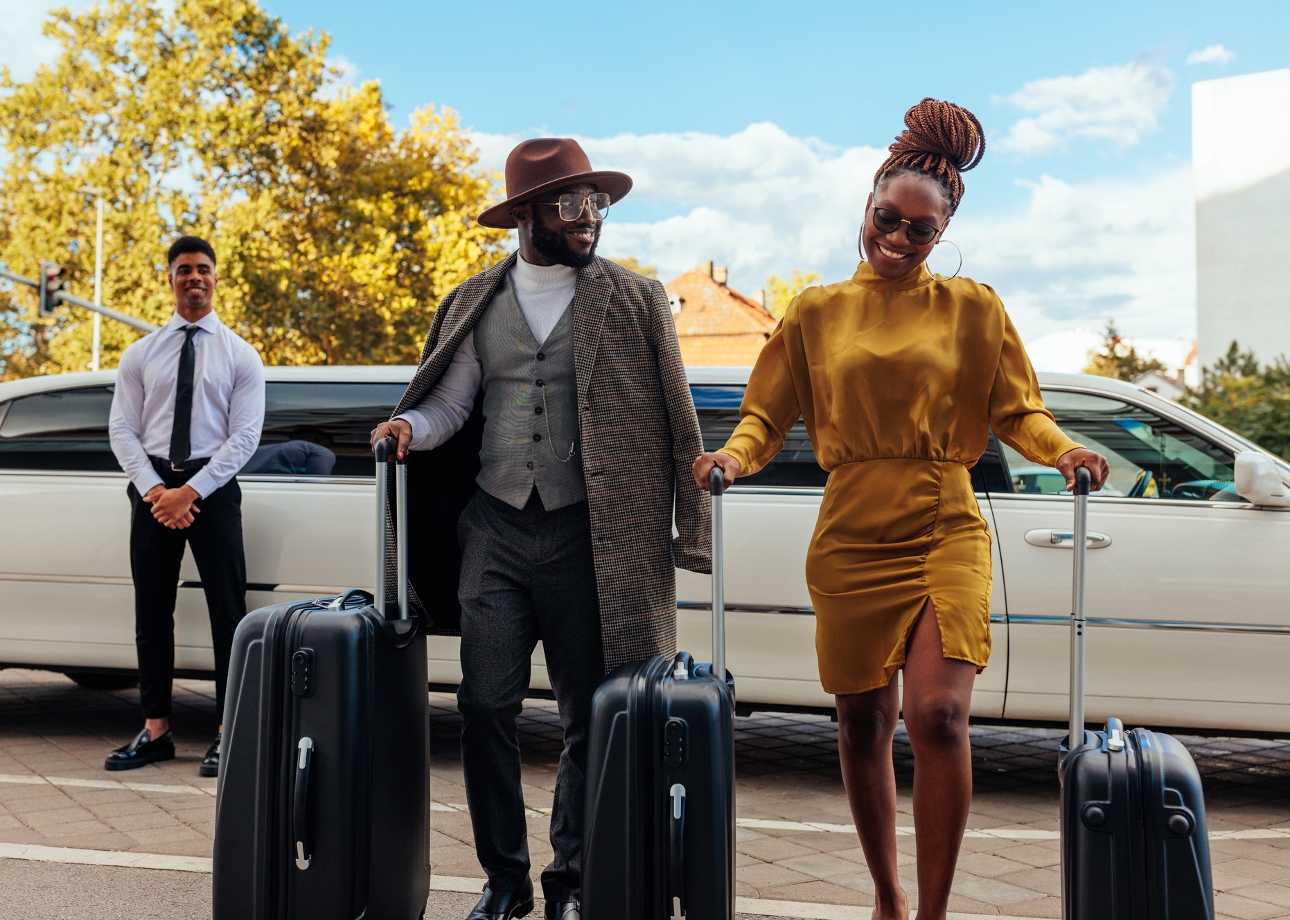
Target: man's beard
column 550, row 244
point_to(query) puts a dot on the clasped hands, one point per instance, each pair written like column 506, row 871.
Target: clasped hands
column 173, row 507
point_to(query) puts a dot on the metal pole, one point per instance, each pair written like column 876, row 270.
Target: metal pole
column 64, row 297
column 716, row 481
column 1075, row 735
column 98, row 286
column 382, row 509
column 401, row 534
column 141, row 325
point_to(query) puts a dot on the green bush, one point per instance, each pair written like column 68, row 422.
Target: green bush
column 1252, row 401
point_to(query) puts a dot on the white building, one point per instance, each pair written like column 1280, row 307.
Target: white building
column 1241, row 156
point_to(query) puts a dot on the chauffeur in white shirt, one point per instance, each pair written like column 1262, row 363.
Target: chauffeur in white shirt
column 186, row 416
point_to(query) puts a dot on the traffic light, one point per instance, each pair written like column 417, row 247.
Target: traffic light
column 51, row 280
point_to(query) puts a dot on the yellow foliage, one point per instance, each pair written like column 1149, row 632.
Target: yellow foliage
column 779, row 294
column 336, row 233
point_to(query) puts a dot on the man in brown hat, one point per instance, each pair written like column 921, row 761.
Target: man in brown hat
column 552, row 433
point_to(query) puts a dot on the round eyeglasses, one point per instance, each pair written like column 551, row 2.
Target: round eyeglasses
column 920, row 232
column 571, row 206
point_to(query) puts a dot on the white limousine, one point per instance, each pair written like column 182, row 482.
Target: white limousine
column 1189, row 580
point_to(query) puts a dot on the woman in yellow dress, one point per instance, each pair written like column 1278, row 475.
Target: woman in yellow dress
column 900, row 375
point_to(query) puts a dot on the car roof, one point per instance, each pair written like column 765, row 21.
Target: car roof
column 699, row 376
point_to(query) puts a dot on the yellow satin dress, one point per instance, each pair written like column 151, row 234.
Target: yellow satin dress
column 899, row 383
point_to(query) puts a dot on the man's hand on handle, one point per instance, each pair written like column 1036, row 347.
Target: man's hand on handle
column 1094, row 462
column 397, row 428
column 703, row 467
column 173, row 507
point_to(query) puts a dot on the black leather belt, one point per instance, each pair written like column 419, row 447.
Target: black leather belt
column 161, row 465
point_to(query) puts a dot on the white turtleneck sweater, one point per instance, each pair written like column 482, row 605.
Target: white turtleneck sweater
column 543, row 293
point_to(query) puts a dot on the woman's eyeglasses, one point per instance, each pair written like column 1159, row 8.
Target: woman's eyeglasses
column 571, row 206
column 920, row 232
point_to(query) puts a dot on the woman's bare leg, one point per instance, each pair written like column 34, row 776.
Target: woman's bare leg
column 937, row 697
column 866, row 725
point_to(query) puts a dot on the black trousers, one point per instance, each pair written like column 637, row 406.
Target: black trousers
column 155, row 554
column 526, row 575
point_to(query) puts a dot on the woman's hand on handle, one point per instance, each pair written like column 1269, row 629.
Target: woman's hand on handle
column 396, row 428
column 1094, row 462
column 702, row 469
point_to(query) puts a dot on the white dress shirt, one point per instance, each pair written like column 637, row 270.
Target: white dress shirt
column 228, row 403
column 543, row 292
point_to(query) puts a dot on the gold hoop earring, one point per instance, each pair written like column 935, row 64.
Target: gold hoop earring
column 959, row 251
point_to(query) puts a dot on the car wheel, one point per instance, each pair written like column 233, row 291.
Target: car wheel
column 91, row 680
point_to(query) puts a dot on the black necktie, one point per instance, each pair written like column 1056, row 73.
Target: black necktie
column 179, row 434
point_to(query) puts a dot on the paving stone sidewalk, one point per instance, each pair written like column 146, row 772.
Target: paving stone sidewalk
column 54, row 792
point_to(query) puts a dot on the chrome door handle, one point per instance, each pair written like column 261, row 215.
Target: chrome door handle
column 1065, row 539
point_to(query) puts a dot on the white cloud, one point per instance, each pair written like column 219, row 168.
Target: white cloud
column 760, row 201
column 1213, row 54
column 1082, row 254
column 764, row 202
column 1119, row 103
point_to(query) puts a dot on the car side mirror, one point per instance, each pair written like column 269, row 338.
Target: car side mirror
column 1258, row 480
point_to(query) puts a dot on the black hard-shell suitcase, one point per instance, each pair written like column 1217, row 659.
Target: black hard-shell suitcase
column 323, row 800
column 659, row 837
column 1134, row 844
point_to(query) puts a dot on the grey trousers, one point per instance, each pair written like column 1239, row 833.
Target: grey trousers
column 525, row 575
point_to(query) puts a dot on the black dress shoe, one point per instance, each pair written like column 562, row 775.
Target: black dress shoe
column 563, row 910
column 504, row 905
column 142, row 750
column 210, row 763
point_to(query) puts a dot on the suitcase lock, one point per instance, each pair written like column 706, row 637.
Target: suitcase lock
column 676, row 741
column 302, row 672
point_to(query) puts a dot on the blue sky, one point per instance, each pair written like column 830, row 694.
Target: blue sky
column 753, row 129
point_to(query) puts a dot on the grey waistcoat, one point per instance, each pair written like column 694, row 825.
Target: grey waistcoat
column 520, row 431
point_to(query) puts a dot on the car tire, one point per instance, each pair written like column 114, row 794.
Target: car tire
column 96, row 680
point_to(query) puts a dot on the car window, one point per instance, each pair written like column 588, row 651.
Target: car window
column 321, row 429
column 1150, row 456
column 795, row 465
column 62, row 430
column 990, row 473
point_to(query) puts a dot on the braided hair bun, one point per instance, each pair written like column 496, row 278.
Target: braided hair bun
column 940, row 139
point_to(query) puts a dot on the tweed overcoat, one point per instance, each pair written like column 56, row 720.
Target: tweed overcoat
column 639, row 437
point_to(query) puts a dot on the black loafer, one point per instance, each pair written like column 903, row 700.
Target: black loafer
column 210, row 763
column 142, row 750
column 504, row 905
column 563, row 910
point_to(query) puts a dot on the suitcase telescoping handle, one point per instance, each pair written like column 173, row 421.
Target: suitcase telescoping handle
column 716, row 482
column 386, row 450
column 1075, row 736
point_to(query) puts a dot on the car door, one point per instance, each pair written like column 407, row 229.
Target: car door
column 308, row 491
column 1187, row 583
column 66, row 598
column 769, row 520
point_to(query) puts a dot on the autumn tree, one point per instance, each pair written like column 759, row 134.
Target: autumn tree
column 779, row 293
column 337, row 234
column 1251, row 400
column 1119, row 359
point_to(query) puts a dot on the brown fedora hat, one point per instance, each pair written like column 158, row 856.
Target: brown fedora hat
column 546, row 163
